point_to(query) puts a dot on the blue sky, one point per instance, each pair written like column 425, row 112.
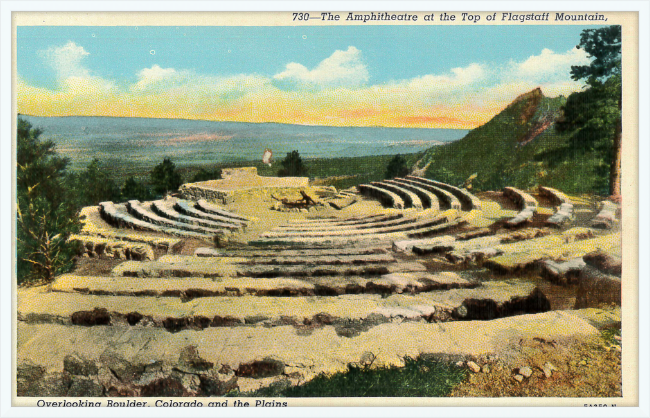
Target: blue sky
column 287, row 58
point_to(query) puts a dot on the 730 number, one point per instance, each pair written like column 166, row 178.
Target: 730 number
column 301, row 16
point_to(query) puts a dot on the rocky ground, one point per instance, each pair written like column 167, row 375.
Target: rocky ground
column 297, row 294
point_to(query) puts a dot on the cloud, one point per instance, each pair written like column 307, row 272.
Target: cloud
column 342, row 68
column 549, row 64
column 156, row 75
column 67, row 60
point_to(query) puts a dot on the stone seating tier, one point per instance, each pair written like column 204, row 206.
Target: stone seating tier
column 467, row 199
column 386, row 197
column 445, row 197
column 411, row 200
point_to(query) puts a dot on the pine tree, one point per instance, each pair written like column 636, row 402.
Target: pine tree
column 46, row 211
column 165, row 177
column 397, row 167
column 292, row 165
column 595, row 113
column 94, row 185
column 132, row 189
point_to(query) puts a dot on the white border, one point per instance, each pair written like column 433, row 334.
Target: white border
column 643, row 7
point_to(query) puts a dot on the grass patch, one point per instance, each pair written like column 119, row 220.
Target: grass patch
column 418, row 378
column 612, row 336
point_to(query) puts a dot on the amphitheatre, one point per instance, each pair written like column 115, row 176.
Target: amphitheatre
column 244, row 282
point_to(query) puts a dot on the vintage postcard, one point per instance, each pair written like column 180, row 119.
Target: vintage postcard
column 301, row 208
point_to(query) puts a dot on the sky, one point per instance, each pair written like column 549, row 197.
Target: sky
column 396, row 76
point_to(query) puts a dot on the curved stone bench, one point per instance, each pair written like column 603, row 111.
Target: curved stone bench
column 526, row 203
column 344, row 221
column 606, row 218
column 166, row 210
column 556, row 196
column 114, row 216
column 410, row 199
column 564, row 210
column 522, row 199
column 386, row 197
column 415, row 224
column 208, row 207
column 109, row 212
column 428, row 199
column 368, row 225
column 444, row 196
column 136, row 209
column 467, row 200
column 185, row 208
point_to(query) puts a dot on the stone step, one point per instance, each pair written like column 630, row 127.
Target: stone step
column 190, row 266
column 119, row 217
column 196, row 287
column 407, row 245
column 374, row 239
column 142, row 212
column 448, row 200
column 416, row 223
column 468, row 246
column 436, row 229
column 524, row 255
column 468, row 201
column 139, row 361
column 208, row 207
column 411, row 200
column 166, row 210
column 300, row 253
column 186, row 208
column 346, row 221
column 360, row 259
column 291, row 228
column 386, row 197
column 490, row 300
column 94, row 246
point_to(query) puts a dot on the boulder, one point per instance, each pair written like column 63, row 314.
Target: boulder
column 75, row 365
column 597, row 288
column 562, row 273
column 604, row 262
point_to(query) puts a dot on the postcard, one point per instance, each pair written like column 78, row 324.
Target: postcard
column 322, row 208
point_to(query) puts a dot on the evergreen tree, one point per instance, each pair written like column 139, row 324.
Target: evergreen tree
column 46, row 212
column 292, row 166
column 595, row 113
column 165, row 177
column 132, row 189
column 94, row 185
column 397, row 167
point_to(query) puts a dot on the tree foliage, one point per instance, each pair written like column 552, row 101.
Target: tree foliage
column 94, row 185
column 46, row 210
column 595, row 113
column 132, row 189
column 292, row 165
column 165, row 177
column 397, row 167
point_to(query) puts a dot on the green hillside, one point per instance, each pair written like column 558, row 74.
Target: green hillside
column 519, row 147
